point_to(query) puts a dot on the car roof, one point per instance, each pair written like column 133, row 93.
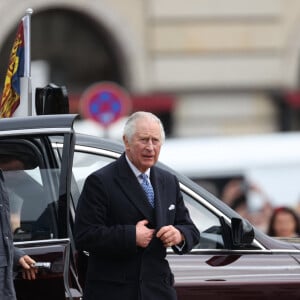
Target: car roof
column 38, row 122
column 97, row 142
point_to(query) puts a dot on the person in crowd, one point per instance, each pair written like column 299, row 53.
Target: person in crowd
column 128, row 214
column 10, row 255
column 284, row 222
column 236, row 193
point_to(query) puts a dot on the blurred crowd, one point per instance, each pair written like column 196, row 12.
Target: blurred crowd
column 275, row 221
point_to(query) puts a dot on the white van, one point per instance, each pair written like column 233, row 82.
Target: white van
column 270, row 161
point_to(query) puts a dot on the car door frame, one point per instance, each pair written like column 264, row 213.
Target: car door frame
column 44, row 127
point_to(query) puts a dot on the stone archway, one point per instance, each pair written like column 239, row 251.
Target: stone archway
column 77, row 49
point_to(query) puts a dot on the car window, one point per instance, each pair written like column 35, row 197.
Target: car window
column 32, row 185
column 85, row 163
column 207, row 222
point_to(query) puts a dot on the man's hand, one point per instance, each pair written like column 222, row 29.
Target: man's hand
column 28, row 271
column 143, row 234
column 170, row 236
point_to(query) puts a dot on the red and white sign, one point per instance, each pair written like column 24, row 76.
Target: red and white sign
column 105, row 103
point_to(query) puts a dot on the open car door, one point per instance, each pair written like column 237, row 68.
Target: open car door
column 38, row 184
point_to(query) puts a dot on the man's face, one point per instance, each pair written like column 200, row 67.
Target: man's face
column 144, row 147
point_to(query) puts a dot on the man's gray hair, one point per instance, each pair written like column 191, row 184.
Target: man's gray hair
column 130, row 125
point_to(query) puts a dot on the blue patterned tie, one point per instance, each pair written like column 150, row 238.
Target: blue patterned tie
column 147, row 188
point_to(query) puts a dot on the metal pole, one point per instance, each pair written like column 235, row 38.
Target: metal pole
column 27, row 38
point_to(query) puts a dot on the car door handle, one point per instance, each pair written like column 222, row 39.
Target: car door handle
column 42, row 265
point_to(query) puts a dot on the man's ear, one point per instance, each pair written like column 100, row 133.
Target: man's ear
column 125, row 141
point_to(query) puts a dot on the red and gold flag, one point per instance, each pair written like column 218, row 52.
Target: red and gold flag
column 11, row 91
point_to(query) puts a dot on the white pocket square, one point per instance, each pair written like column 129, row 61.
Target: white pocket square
column 171, row 207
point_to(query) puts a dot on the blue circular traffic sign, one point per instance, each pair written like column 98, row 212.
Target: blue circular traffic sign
column 105, row 103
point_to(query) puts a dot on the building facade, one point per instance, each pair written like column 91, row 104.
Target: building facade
column 209, row 67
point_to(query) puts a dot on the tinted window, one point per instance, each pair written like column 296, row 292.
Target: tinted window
column 84, row 164
column 32, row 184
column 208, row 224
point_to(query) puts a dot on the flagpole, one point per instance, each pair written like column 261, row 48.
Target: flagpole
column 25, row 107
column 27, row 38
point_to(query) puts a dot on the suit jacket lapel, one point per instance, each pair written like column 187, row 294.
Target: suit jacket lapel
column 158, row 183
column 127, row 181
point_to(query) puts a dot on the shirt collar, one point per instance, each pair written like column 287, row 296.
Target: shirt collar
column 135, row 169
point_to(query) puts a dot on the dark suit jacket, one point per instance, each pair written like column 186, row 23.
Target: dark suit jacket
column 111, row 203
column 9, row 255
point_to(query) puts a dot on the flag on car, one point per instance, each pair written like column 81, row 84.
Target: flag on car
column 18, row 69
column 11, row 91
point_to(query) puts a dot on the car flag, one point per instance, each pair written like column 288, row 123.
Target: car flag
column 18, row 69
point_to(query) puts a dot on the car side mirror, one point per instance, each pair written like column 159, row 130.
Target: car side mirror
column 242, row 232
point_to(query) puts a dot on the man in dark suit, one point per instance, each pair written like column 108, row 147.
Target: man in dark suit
column 125, row 233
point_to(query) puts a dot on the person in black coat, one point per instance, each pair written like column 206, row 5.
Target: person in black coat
column 125, row 234
column 9, row 255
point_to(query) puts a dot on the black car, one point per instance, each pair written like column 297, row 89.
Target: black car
column 233, row 260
